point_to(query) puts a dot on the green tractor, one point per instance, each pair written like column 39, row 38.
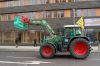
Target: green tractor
column 72, row 40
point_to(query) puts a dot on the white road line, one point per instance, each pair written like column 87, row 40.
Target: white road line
column 25, row 62
column 19, row 57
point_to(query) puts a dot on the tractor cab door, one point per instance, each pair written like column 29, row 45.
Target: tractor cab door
column 68, row 34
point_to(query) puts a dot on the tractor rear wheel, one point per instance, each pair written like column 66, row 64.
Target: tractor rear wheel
column 79, row 48
column 47, row 51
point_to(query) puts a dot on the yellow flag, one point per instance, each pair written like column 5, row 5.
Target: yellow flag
column 80, row 22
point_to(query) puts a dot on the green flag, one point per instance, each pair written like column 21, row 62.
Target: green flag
column 18, row 24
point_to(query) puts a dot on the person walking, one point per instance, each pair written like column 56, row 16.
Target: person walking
column 18, row 39
column 35, row 42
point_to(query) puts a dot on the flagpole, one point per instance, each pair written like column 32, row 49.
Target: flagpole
column 74, row 15
column 84, row 30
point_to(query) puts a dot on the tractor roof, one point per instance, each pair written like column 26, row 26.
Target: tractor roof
column 71, row 26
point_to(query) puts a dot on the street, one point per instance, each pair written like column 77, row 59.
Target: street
column 32, row 58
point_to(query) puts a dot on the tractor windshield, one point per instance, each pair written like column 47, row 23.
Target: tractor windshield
column 70, row 31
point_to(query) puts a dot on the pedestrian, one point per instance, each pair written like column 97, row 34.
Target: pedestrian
column 35, row 42
column 18, row 39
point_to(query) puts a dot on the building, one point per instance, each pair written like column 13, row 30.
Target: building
column 56, row 12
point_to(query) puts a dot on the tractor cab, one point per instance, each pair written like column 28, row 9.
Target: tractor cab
column 71, row 31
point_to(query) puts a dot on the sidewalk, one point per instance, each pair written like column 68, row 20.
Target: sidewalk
column 31, row 48
column 20, row 48
column 95, row 49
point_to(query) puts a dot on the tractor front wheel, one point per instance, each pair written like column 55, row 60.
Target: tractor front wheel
column 47, row 51
column 79, row 48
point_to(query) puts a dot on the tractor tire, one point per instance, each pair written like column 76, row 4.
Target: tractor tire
column 79, row 48
column 47, row 51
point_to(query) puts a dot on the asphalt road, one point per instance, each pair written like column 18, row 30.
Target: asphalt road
column 34, row 59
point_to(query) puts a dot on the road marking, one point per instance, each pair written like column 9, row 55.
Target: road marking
column 94, row 59
column 25, row 62
column 19, row 57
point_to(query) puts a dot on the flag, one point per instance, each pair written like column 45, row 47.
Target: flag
column 80, row 22
column 19, row 24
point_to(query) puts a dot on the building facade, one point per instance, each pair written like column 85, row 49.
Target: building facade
column 56, row 12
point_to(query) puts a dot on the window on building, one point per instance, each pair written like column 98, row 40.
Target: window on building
column 79, row 13
column 32, row 2
column 42, row 14
column 57, row 1
column 41, row 1
column 60, row 14
column 93, row 12
column 60, row 1
column 48, row 14
column 89, row 12
column 21, row 2
column 69, row 0
column 47, row 1
column 86, row 12
column 82, row 0
column 55, row 14
column 33, row 15
column 86, row 0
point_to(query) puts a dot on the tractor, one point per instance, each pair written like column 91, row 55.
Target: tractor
column 71, row 41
